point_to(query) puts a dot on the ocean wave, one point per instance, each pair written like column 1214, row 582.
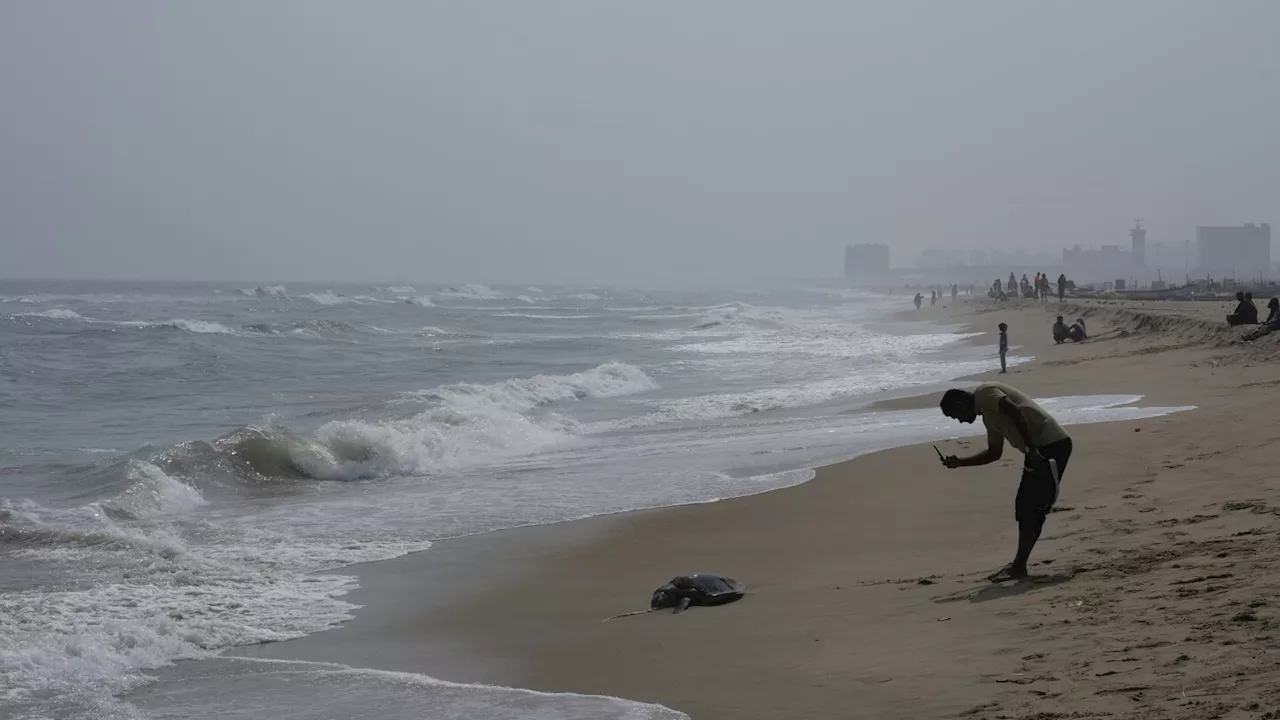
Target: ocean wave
column 396, row 289
column 149, row 583
column 419, row 300
column 54, row 314
column 871, row 379
column 535, row 316
column 465, row 424
column 194, row 326
column 203, row 327
column 267, row 291
column 613, row 379
column 460, row 425
column 472, row 291
column 327, row 298
column 306, row 690
column 730, row 314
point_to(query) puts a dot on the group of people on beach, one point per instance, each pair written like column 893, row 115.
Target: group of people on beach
column 936, row 294
column 1075, row 332
column 1246, row 313
column 1037, row 288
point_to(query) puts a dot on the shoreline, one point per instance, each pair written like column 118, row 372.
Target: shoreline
column 521, row 607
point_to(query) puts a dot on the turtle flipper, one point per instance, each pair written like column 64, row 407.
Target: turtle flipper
column 682, row 605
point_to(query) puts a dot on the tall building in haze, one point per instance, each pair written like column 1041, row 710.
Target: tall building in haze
column 1242, row 251
column 1138, row 251
column 866, row 263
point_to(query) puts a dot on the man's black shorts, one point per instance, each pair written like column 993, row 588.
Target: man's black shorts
column 1038, row 492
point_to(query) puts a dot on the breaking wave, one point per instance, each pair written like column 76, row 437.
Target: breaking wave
column 266, row 291
column 194, row 326
column 327, row 298
column 54, row 314
column 472, row 291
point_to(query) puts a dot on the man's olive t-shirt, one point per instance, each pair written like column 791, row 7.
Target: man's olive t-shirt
column 1044, row 429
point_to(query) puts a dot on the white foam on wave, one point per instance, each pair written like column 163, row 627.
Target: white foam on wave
column 467, row 424
column 867, row 381
column 327, row 298
column 266, row 291
column 419, row 300
column 54, row 314
column 472, row 291
column 155, row 583
column 536, row 316
column 198, row 326
column 614, row 379
column 195, row 326
column 396, row 289
column 318, row 690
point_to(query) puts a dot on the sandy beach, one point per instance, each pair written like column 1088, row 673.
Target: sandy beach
column 1153, row 595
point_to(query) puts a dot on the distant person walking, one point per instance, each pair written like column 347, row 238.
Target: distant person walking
column 933, row 298
column 1062, row 287
column 918, row 299
column 954, row 292
column 1004, row 346
column 1010, row 415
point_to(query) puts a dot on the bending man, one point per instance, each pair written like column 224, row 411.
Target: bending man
column 1011, row 415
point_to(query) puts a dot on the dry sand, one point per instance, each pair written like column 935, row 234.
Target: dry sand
column 1156, row 596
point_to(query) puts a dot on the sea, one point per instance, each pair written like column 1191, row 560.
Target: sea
column 189, row 468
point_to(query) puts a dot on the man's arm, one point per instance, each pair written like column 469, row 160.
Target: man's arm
column 995, row 448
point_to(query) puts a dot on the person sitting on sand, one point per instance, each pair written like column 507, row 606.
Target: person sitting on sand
column 1076, row 332
column 1246, row 312
column 1010, row 415
column 1271, row 325
column 1059, row 331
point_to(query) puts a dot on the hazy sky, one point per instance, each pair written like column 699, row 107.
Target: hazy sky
column 603, row 141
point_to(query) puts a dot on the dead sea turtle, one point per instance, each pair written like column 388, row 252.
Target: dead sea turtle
column 696, row 589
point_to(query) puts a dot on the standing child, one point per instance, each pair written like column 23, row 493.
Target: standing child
column 1004, row 346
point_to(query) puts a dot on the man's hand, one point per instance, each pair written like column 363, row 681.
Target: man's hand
column 951, row 461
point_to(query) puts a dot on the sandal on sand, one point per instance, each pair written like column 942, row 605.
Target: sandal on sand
column 1006, row 573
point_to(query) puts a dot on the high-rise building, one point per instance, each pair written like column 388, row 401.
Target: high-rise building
column 1138, row 251
column 1234, row 251
column 866, row 263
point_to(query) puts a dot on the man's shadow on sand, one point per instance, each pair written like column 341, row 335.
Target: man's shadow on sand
column 997, row 591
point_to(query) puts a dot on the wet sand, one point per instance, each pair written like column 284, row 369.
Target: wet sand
column 867, row 598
